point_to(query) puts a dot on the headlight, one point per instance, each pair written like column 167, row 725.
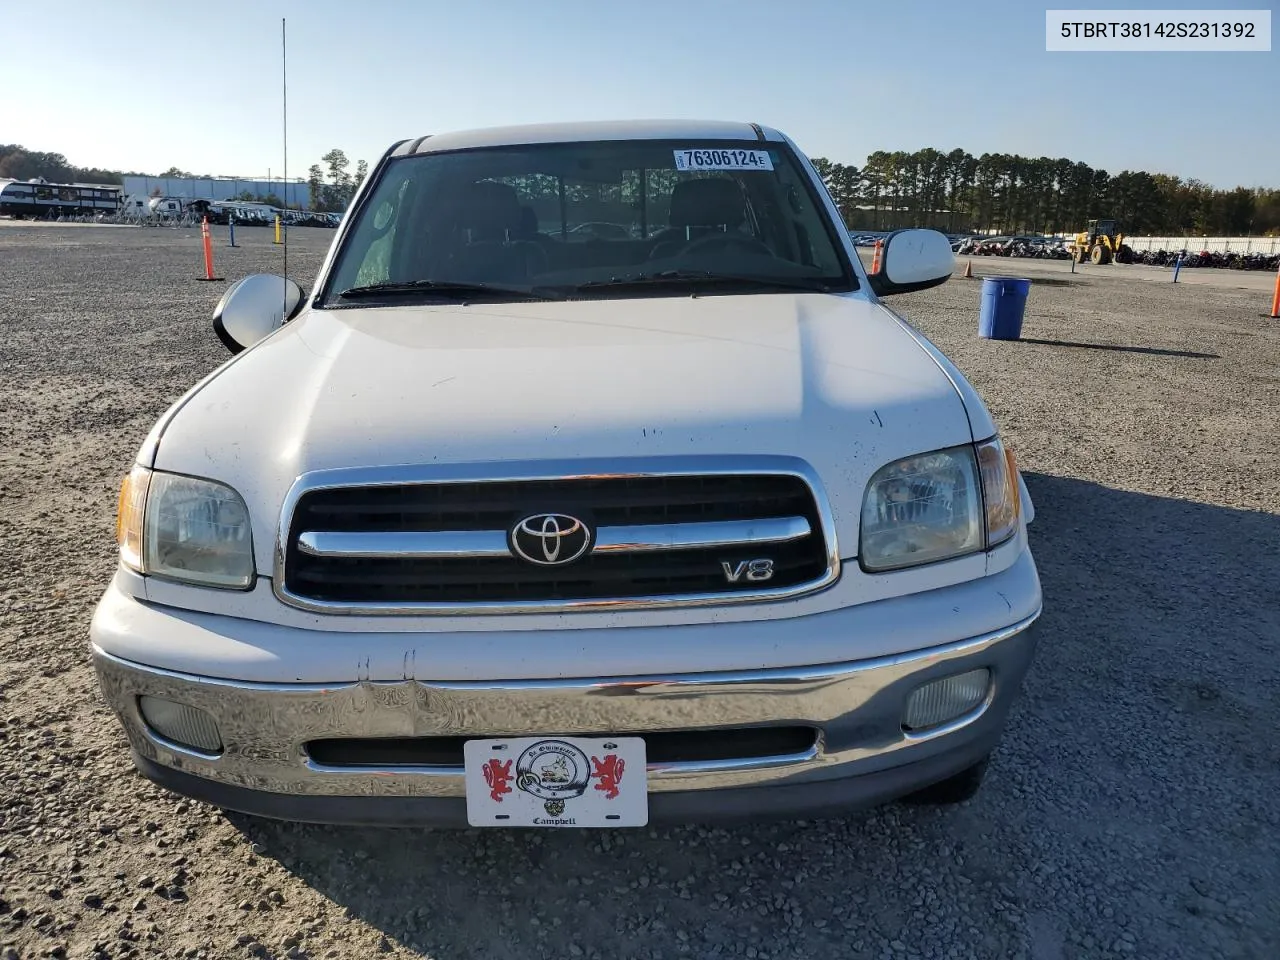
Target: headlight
column 938, row 506
column 184, row 528
column 922, row 509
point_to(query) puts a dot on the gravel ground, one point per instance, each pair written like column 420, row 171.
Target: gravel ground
column 1131, row 811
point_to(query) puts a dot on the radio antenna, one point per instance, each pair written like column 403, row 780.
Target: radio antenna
column 284, row 136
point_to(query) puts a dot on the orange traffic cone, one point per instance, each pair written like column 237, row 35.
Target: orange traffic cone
column 968, row 270
column 208, row 251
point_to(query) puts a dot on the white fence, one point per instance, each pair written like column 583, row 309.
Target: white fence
column 1263, row 245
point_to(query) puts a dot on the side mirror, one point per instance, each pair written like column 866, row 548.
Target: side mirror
column 254, row 307
column 913, row 260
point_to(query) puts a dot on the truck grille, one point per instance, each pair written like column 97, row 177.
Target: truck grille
column 402, row 546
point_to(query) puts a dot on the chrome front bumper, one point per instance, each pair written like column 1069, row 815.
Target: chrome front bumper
column 856, row 707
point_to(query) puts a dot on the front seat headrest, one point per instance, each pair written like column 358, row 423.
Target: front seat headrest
column 708, row 202
column 490, row 211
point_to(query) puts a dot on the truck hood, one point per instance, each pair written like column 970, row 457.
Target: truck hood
column 836, row 381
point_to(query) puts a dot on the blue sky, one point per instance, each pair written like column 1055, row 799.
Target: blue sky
column 842, row 77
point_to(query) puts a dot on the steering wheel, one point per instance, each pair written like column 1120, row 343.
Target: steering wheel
column 750, row 244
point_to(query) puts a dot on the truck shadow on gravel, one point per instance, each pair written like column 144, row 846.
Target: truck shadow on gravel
column 1121, row 348
column 1161, row 615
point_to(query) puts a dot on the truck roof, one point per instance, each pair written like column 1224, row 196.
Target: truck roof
column 588, row 131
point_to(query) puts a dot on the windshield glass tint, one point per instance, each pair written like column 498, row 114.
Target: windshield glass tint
column 564, row 215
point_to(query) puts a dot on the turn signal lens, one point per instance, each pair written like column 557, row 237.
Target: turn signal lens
column 129, row 514
column 999, row 491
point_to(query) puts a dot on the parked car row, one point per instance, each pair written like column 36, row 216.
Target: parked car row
column 264, row 216
column 1001, row 246
column 1207, row 258
column 1057, row 248
column 1053, row 248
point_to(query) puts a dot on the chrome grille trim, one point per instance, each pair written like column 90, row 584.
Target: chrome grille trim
column 651, row 538
column 452, row 544
column 586, row 469
column 645, row 538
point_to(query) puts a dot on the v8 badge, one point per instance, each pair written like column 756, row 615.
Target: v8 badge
column 753, row 570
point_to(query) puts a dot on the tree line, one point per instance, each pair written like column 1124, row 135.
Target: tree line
column 1008, row 193
column 332, row 192
column 19, row 163
column 953, row 191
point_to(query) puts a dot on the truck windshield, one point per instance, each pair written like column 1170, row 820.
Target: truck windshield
column 615, row 218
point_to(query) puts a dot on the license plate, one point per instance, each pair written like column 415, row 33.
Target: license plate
column 556, row 782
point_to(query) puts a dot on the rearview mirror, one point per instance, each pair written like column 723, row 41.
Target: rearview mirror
column 254, row 307
column 913, row 260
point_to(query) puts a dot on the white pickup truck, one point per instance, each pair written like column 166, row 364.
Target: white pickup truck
column 591, row 485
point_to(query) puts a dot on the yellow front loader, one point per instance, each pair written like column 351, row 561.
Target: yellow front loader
column 1100, row 242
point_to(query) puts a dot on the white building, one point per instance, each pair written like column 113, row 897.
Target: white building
column 295, row 193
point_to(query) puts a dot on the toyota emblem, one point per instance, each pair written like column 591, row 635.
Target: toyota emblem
column 550, row 539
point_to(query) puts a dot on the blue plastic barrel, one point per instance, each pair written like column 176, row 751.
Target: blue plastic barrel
column 1003, row 301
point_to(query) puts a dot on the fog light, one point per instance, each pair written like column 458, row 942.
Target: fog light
column 186, row 726
column 941, row 701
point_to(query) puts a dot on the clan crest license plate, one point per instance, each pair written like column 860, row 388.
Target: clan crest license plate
column 556, row 782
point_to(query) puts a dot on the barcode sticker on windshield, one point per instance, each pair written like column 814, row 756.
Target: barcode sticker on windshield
column 723, row 160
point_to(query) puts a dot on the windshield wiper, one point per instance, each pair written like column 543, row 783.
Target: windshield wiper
column 453, row 288
column 680, row 277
